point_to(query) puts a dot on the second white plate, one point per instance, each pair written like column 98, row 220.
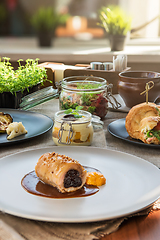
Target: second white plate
column 132, row 184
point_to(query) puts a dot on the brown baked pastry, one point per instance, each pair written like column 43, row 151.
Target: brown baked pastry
column 141, row 119
column 136, row 114
column 60, row 171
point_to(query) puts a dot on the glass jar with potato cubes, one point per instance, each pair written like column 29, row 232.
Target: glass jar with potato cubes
column 72, row 127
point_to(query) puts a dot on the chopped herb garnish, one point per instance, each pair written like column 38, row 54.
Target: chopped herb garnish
column 154, row 133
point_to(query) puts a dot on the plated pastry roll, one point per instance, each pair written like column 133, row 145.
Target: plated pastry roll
column 142, row 123
column 60, row 171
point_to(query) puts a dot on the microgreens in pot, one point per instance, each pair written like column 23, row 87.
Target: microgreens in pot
column 25, row 76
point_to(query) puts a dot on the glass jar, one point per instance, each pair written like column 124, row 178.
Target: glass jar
column 87, row 91
column 72, row 129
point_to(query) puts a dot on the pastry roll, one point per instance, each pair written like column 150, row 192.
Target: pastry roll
column 136, row 114
column 60, row 171
column 143, row 122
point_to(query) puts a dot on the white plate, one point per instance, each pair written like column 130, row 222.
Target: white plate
column 132, row 184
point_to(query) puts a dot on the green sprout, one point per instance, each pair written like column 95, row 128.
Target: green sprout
column 74, row 112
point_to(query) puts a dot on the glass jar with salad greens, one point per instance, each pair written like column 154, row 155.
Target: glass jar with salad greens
column 90, row 92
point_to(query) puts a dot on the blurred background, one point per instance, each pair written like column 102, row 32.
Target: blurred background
column 15, row 17
column 75, row 35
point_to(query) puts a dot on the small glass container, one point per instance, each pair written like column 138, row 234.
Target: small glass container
column 90, row 92
column 71, row 130
column 96, row 65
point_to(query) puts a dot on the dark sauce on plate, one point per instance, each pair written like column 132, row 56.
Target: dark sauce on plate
column 32, row 184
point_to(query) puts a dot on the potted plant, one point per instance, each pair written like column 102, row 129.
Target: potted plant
column 15, row 84
column 117, row 24
column 45, row 21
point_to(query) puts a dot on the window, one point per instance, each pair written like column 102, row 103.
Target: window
column 84, row 17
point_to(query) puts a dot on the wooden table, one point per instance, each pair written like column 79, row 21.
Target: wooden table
column 142, row 227
column 136, row 228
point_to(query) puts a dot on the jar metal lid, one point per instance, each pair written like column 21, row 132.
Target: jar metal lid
column 86, row 117
column 108, row 65
column 96, row 65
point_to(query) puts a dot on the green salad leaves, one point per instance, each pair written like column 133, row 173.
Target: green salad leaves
column 153, row 133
